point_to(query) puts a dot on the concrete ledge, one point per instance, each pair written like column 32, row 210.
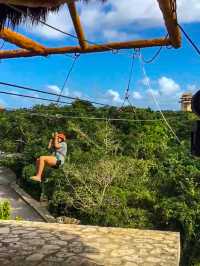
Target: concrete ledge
column 41, row 244
column 37, row 206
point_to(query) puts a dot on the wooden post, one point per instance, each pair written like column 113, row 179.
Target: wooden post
column 90, row 49
column 171, row 22
column 21, row 41
column 77, row 24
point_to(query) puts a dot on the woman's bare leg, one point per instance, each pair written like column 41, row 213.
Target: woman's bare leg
column 49, row 160
column 37, row 164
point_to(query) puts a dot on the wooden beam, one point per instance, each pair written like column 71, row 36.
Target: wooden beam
column 77, row 24
column 171, row 22
column 21, row 41
column 90, row 49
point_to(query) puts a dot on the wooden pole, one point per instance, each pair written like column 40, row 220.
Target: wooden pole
column 21, row 41
column 90, row 49
column 77, row 24
column 171, row 22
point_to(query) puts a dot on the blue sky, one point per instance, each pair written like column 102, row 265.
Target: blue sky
column 103, row 77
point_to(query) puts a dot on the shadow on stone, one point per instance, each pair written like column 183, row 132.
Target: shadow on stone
column 41, row 244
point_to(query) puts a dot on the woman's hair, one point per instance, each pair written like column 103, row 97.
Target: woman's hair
column 62, row 136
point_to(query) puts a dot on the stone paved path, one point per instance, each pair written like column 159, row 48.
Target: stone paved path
column 19, row 207
column 43, row 244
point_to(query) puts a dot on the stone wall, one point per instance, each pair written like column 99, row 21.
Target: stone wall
column 41, row 244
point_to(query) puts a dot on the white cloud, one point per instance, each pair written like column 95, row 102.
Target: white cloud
column 77, row 94
column 60, row 20
column 137, row 95
column 168, row 86
column 188, row 11
column 113, row 96
column 15, row 96
column 35, row 95
column 116, row 18
column 115, row 35
column 151, row 92
column 53, row 89
column 66, row 92
column 145, row 81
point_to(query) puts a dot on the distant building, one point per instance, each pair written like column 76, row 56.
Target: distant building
column 186, row 102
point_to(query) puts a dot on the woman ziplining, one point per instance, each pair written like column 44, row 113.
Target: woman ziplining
column 58, row 146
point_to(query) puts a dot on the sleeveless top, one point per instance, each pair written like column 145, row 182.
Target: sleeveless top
column 60, row 153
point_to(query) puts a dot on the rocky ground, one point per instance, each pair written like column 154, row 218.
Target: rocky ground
column 41, row 244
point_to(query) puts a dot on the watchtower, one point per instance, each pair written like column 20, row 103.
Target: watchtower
column 186, row 102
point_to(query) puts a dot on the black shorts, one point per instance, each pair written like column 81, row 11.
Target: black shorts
column 58, row 164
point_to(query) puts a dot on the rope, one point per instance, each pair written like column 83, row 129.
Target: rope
column 155, row 56
column 127, row 95
column 41, row 21
column 189, row 39
column 174, row 8
column 131, row 73
column 3, row 43
column 149, row 61
column 71, row 56
column 68, row 75
column 157, row 103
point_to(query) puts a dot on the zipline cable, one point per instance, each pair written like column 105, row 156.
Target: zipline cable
column 67, row 77
column 50, row 93
column 156, row 102
column 58, row 116
column 31, row 97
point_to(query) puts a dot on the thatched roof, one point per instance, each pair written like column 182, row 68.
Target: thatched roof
column 35, row 10
column 34, row 3
column 11, row 18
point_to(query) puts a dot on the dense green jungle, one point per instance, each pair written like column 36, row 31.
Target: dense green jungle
column 126, row 170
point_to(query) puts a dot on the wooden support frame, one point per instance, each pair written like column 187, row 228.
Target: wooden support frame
column 90, row 49
column 31, row 48
column 21, row 41
column 171, row 22
column 77, row 24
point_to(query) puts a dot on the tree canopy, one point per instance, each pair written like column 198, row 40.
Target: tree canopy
column 129, row 172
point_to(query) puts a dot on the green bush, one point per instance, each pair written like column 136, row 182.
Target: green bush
column 118, row 173
column 100, row 192
column 5, row 210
